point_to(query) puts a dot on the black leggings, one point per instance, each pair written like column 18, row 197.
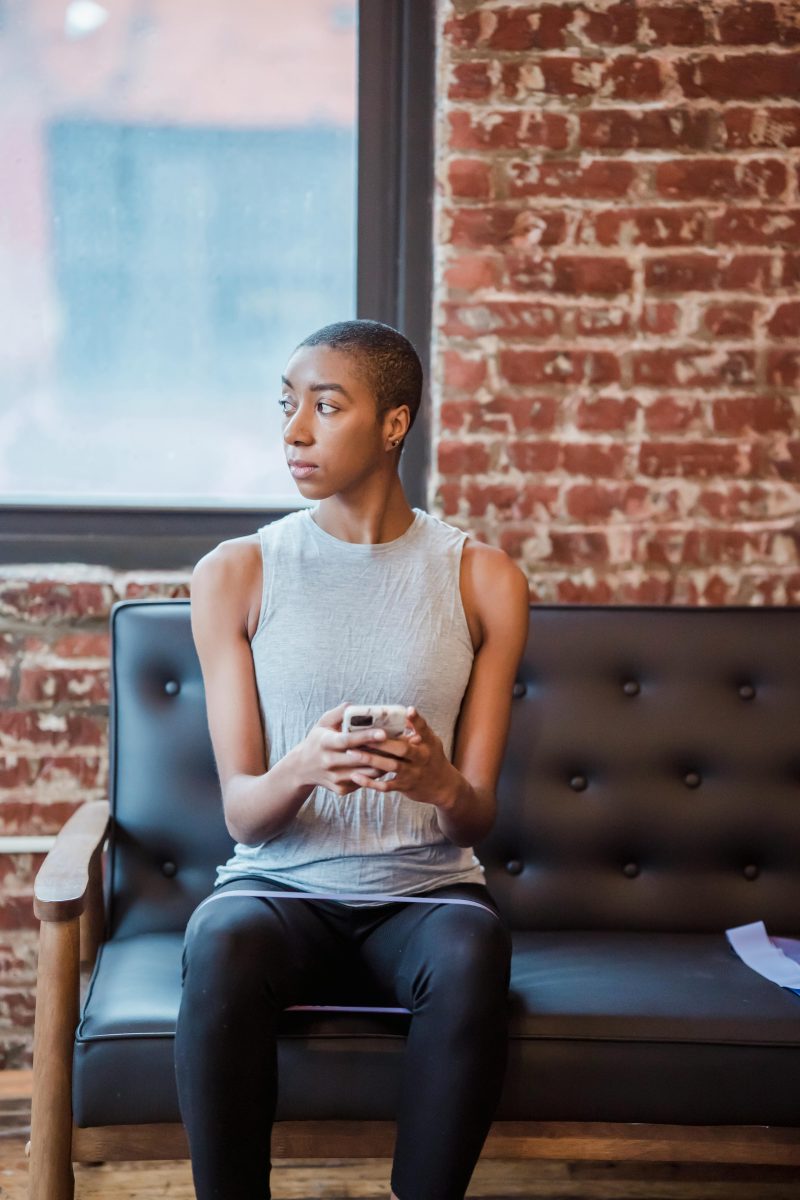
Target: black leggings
column 245, row 959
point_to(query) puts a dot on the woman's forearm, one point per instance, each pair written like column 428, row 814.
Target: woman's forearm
column 258, row 807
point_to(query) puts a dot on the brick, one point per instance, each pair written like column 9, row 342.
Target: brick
column 62, row 685
column 514, row 130
column 785, row 321
column 523, row 28
column 644, row 226
column 534, row 501
column 707, row 272
column 783, row 368
column 730, row 320
column 715, row 179
column 675, row 25
column 660, row 316
column 28, row 729
column 495, row 225
column 597, row 501
column 648, row 129
column 742, row 502
column 624, row 77
column 42, row 601
column 472, row 272
column 535, row 413
column 613, row 25
column 753, row 414
column 534, row 456
column 781, row 459
column 671, row 414
column 767, row 126
column 604, row 322
column 602, row 179
column 456, row 458
column 740, row 76
column 689, row 367
column 508, row 319
column 596, row 459
column 748, row 24
column 573, row 275
column 584, row 591
column 34, row 818
column 790, row 270
column 757, row 227
column 462, row 373
column 696, row 459
column 470, row 81
column 527, row 367
column 459, row 415
column 470, row 178
column 606, row 414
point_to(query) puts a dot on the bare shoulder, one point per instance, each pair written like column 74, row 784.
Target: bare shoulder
column 231, row 572
column 495, row 589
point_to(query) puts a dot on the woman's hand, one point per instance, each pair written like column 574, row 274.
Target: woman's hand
column 323, row 753
column 418, row 767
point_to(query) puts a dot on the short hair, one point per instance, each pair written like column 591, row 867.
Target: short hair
column 388, row 362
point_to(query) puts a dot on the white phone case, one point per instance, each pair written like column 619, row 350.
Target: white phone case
column 390, row 717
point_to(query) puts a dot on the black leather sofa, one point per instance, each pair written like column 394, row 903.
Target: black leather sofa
column 649, row 799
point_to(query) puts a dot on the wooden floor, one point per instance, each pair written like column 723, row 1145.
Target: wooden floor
column 368, row 1179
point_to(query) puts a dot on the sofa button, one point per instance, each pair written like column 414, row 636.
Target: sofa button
column 519, row 688
column 750, row 871
column 514, row 866
column 691, row 779
column 579, row 783
column 630, row 869
column 747, row 691
column 168, row 868
column 172, row 687
column 631, row 688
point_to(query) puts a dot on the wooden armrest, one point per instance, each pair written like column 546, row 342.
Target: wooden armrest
column 64, row 879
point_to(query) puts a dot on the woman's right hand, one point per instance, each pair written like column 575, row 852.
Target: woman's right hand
column 323, row 752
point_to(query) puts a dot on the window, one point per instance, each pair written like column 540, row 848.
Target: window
column 193, row 191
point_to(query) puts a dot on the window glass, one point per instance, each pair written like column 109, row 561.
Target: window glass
column 179, row 211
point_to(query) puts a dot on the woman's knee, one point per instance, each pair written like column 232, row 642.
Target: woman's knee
column 227, row 938
column 471, row 957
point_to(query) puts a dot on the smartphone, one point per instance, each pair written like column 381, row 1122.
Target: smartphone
column 390, row 717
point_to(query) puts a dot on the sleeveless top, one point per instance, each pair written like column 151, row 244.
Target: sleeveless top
column 370, row 623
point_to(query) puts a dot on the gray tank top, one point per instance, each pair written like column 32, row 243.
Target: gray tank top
column 375, row 623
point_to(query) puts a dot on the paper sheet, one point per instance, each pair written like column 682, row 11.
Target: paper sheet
column 777, row 959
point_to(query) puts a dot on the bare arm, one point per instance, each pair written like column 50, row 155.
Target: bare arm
column 485, row 716
column 258, row 802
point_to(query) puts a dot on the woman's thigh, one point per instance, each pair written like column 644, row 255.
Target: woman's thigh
column 287, row 946
column 461, row 950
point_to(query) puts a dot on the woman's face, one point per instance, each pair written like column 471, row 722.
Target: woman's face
column 329, row 419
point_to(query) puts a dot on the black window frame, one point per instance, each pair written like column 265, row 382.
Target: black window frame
column 396, row 82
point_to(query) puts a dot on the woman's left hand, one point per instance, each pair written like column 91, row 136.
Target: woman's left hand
column 419, row 767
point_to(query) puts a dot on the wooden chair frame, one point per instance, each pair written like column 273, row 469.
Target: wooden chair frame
column 68, row 902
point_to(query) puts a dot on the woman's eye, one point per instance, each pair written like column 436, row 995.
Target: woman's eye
column 285, row 400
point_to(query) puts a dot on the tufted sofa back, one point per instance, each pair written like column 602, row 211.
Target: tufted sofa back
column 652, row 775
column 651, row 779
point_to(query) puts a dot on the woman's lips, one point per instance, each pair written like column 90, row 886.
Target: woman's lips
column 301, row 472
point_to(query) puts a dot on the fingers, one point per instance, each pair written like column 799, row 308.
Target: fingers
column 361, row 736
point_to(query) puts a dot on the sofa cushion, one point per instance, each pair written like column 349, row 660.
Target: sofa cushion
column 604, row 1026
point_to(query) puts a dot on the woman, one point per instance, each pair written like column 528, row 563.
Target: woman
column 359, row 599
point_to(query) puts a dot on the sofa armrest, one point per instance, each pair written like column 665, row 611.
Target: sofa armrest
column 67, row 882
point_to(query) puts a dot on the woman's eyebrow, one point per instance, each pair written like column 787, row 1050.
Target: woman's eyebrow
column 319, row 387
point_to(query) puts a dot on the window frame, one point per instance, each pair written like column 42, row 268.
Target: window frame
column 396, row 81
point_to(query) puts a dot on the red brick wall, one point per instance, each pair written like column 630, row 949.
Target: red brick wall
column 54, row 680
column 618, row 308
